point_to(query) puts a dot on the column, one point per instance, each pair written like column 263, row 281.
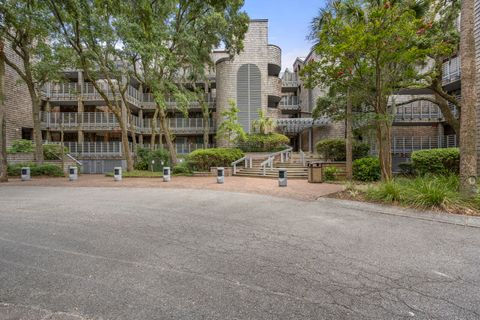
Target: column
column 80, row 109
column 48, row 109
column 140, row 124
column 310, row 136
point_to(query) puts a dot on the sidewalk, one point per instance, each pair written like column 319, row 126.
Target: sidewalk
column 296, row 189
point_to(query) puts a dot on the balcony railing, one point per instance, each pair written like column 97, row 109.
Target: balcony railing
column 108, row 121
column 451, row 70
column 289, row 103
column 418, row 110
column 72, row 91
column 289, row 79
column 181, row 148
column 408, row 144
column 149, row 101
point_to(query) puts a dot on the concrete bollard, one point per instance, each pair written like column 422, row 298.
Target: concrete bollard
column 282, row 177
column 25, row 173
column 117, row 174
column 73, row 173
column 220, row 175
column 166, row 174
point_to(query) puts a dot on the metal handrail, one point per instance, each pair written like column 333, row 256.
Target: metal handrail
column 247, row 161
column 269, row 162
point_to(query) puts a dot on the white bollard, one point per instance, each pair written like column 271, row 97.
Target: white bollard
column 166, row 174
column 25, row 173
column 117, row 174
column 220, row 175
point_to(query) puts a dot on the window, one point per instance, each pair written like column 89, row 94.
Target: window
column 249, row 97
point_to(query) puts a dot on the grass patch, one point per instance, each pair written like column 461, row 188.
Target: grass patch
column 427, row 192
column 138, row 174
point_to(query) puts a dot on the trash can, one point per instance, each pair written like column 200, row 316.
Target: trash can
column 166, row 174
column 73, row 173
column 220, row 175
column 117, row 174
column 315, row 172
column 282, row 177
column 25, row 173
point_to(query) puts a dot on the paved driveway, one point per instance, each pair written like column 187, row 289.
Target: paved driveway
column 131, row 253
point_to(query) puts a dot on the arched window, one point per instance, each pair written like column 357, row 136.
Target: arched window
column 249, row 94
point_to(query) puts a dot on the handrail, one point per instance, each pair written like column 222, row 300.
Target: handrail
column 284, row 156
column 246, row 159
column 302, row 157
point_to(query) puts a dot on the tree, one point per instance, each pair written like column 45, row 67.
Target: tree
column 263, row 124
column 89, row 30
column 170, row 40
column 374, row 41
column 26, row 29
column 3, row 133
column 468, row 117
column 230, row 130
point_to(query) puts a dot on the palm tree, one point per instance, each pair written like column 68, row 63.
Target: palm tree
column 263, row 124
column 468, row 133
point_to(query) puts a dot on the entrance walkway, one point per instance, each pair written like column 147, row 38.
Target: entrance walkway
column 296, row 189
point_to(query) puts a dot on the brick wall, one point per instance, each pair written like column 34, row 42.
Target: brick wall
column 429, row 130
column 17, row 101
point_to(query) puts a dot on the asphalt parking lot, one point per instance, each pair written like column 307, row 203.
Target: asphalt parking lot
column 153, row 253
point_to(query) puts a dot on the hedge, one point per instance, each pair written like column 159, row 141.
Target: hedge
column 204, row 159
column 257, row 142
column 366, row 169
column 145, row 157
column 436, row 161
column 21, row 146
column 53, row 151
column 36, row 169
column 335, row 149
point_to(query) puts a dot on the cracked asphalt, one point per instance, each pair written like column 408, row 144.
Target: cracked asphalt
column 152, row 253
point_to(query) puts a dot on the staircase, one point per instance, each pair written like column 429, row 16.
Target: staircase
column 294, row 166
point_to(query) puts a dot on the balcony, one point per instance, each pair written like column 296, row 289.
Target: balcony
column 274, row 60
column 422, row 111
column 408, row 144
column 149, row 102
column 451, row 71
column 96, row 121
column 289, row 81
column 289, row 103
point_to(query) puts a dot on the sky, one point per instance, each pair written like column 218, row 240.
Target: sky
column 288, row 24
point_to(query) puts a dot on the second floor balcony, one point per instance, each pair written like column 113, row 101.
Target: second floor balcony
column 99, row 121
column 289, row 103
column 451, row 71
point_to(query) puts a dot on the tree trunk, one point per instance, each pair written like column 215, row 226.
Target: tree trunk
column 37, row 130
column 153, row 125
column 468, row 116
column 349, row 138
column 132, row 129
column 3, row 122
column 206, row 125
column 384, row 148
column 447, row 113
column 168, row 136
column 126, row 146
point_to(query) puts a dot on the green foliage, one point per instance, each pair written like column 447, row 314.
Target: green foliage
column 366, row 169
column 330, row 173
column 429, row 191
column 257, row 142
column 53, row 151
column 145, row 157
column 21, row 146
column 36, row 169
column 229, row 129
column 436, row 161
column 335, row 149
column 183, row 168
column 204, row 159
column 263, row 125
column 406, row 168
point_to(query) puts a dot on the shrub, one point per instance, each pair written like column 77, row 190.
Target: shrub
column 390, row 191
column 436, row 161
column 204, row 159
column 21, row 146
column 145, row 157
column 433, row 191
column 406, row 168
column 36, row 169
column 183, row 168
column 53, row 151
column 366, row 169
column 257, row 142
column 335, row 149
column 330, row 173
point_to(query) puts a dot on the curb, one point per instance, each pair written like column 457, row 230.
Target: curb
column 428, row 215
